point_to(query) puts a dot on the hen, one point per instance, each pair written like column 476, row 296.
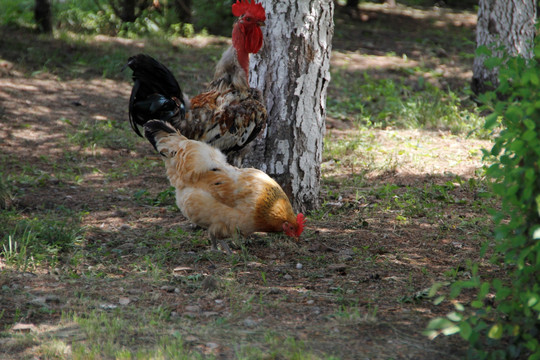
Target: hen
column 229, row 114
column 217, row 196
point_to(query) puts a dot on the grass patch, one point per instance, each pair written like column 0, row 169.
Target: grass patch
column 280, row 347
column 383, row 103
column 41, row 240
column 110, row 134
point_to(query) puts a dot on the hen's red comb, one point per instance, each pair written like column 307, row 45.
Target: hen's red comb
column 300, row 219
column 242, row 7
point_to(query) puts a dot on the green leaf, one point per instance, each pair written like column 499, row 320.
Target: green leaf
column 534, row 78
column 514, row 113
column 529, row 76
column 529, row 135
column 516, row 146
column 533, row 300
column 438, row 300
column 491, row 120
column 529, row 124
column 465, row 330
column 434, row 288
column 439, row 324
column 495, row 332
column 477, row 304
column 492, row 62
column 484, row 50
column 536, row 51
column 454, row 316
column 484, row 289
column 459, row 306
column 451, row 330
column 535, row 356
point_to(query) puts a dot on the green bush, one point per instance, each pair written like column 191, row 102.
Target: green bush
column 214, row 16
column 18, row 13
column 98, row 17
column 504, row 322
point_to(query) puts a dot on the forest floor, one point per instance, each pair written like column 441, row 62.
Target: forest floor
column 119, row 273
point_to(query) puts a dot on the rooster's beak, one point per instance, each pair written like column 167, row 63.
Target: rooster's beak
column 261, row 23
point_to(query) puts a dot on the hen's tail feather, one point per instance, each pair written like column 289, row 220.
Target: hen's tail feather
column 155, row 130
column 155, row 93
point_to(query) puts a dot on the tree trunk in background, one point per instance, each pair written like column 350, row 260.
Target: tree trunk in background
column 42, row 15
column 292, row 70
column 129, row 10
column 183, row 10
column 510, row 23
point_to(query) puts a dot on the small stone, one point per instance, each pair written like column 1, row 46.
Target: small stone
column 20, row 327
column 168, row 288
column 340, row 268
column 249, row 322
column 191, row 339
column 52, row 299
column 124, row 301
column 311, row 302
column 208, row 314
column 40, row 301
column 299, row 266
column 108, row 306
column 212, row 345
column 218, row 301
column 125, row 227
column 209, row 283
column 193, row 308
column 287, row 277
column 346, row 258
column 179, row 270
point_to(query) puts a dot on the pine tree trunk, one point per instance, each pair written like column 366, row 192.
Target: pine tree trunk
column 292, row 70
column 510, row 23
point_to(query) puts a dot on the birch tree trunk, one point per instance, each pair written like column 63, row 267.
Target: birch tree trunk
column 507, row 23
column 292, row 70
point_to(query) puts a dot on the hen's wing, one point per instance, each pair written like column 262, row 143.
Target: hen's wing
column 227, row 120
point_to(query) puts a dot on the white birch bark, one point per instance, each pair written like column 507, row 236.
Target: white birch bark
column 508, row 23
column 293, row 71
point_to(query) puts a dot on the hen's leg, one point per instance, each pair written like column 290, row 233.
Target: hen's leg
column 225, row 247
column 223, row 244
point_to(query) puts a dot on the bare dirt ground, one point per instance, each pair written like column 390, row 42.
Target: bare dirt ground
column 365, row 262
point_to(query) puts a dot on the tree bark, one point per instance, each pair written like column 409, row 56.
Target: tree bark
column 42, row 15
column 506, row 23
column 183, row 10
column 292, row 70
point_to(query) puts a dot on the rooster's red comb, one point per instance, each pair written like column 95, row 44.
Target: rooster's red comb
column 242, row 7
column 300, row 219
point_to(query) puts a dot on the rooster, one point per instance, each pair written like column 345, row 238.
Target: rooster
column 217, row 196
column 229, row 114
